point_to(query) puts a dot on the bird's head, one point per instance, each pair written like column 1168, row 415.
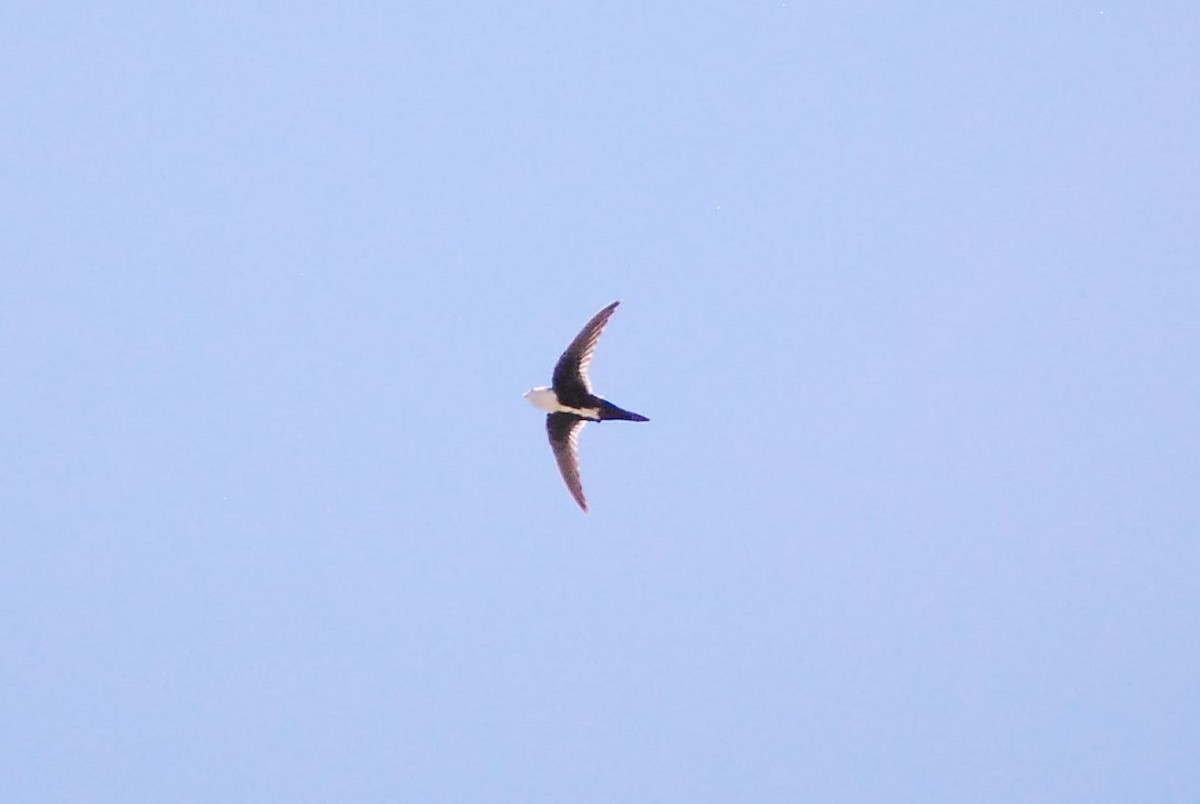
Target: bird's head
column 543, row 398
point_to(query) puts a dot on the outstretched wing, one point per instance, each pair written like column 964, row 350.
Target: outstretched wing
column 570, row 375
column 563, row 429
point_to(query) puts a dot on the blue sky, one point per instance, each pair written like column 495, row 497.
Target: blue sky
column 909, row 293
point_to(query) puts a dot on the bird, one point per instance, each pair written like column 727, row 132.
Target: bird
column 569, row 402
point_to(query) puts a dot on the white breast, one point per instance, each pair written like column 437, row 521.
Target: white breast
column 544, row 399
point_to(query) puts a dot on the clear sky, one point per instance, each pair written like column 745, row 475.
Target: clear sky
column 911, row 295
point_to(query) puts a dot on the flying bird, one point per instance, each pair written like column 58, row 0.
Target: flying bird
column 569, row 402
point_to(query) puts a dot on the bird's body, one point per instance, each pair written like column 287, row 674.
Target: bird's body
column 569, row 402
column 591, row 408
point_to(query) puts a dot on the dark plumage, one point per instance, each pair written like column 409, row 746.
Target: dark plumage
column 570, row 402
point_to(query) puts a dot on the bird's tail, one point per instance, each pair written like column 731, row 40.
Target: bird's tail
column 610, row 411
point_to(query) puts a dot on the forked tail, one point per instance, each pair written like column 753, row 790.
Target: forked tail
column 610, row 411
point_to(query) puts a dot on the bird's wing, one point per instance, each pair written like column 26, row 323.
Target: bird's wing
column 563, row 429
column 570, row 374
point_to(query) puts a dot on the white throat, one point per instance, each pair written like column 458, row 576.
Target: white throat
column 544, row 399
